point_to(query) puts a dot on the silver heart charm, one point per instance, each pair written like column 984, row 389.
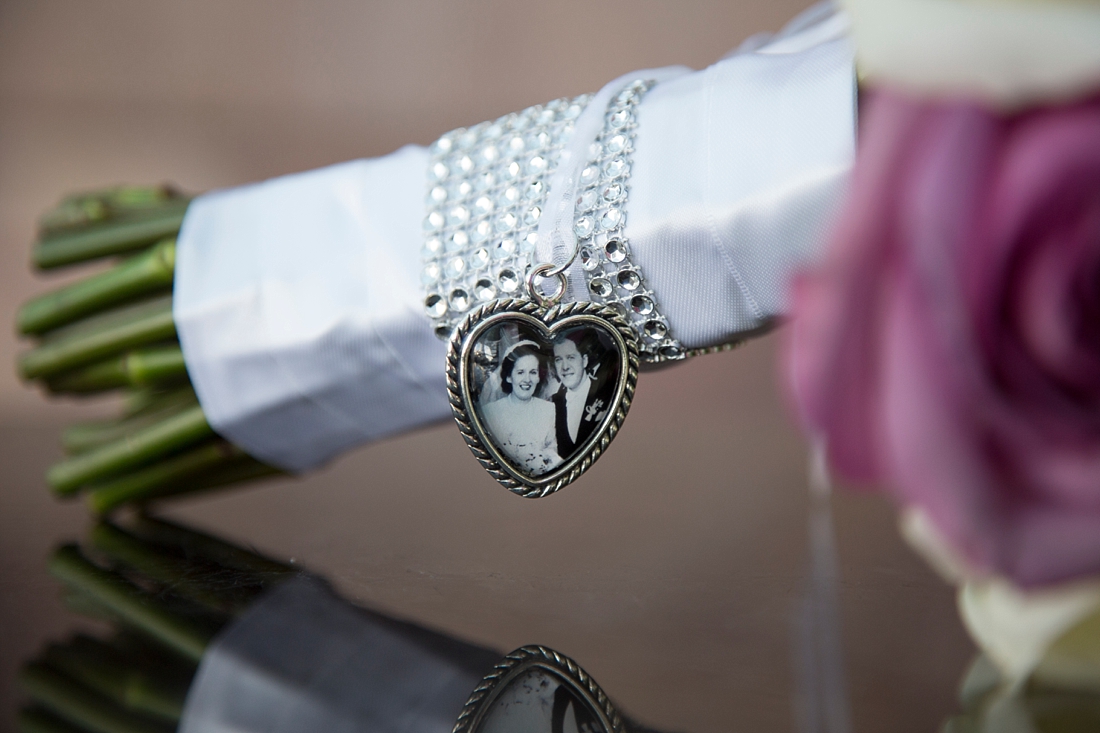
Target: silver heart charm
column 537, row 690
column 539, row 393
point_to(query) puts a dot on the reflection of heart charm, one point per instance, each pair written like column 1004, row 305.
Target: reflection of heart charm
column 538, row 690
column 523, row 379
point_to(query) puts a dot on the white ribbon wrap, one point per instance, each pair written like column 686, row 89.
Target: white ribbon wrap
column 297, row 300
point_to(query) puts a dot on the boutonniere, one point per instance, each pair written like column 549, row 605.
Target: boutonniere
column 592, row 412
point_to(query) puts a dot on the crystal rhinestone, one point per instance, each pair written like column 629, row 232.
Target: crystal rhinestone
column 440, row 171
column 481, row 232
column 458, row 216
column 493, row 131
column 625, row 96
column 641, row 305
column 589, row 175
column 467, row 139
column 563, row 134
column 442, row 146
column 616, row 144
column 615, row 168
column 538, row 140
column 504, row 249
column 618, row 120
column 535, row 190
column 590, row 258
column 615, row 249
column 536, row 164
column 532, row 215
column 506, row 222
column 435, row 305
column 460, row 300
column 479, row 258
column 530, row 242
column 508, row 280
column 573, row 111
column 457, row 241
column 430, row 274
column 465, row 164
column 483, row 205
column 628, row 280
column 583, row 226
column 461, row 190
column 545, row 117
column 484, row 290
column 433, row 246
column 438, row 195
column 611, row 218
column 485, row 181
column 587, row 199
column 671, row 352
column 613, row 192
column 515, row 145
column 489, row 154
column 433, row 221
column 512, row 170
column 455, row 267
column 654, row 330
column 595, row 150
column 521, row 120
column 508, row 196
column 600, row 287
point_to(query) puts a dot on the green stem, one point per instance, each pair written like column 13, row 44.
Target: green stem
column 140, row 275
column 112, row 237
column 210, row 549
column 179, row 576
column 100, row 336
column 38, row 720
column 144, row 446
column 77, row 704
column 82, row 437
column 142, row 368
column 239, row 471
column 110, row 672
column 136, row 607
column 143, row 400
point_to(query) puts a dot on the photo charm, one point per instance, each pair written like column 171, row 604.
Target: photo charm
column 539, row 393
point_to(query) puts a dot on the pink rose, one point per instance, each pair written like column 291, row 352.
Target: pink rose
column 949, row 344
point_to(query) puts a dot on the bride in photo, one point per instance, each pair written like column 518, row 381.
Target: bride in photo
column 521, row 424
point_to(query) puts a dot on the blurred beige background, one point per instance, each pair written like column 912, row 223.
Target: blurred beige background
column 673, row 571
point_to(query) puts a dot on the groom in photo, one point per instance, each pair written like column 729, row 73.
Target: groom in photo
column 582, row 401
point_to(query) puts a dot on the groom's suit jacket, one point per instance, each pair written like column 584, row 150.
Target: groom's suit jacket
column 596, row 405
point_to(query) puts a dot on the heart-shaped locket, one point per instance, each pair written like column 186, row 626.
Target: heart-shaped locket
column 539, row 393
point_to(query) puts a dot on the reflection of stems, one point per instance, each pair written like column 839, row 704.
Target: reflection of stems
column 210, row 549
column 77, row 704
column 108, row 671
column 134, row 606
column 177, row 575
column 82, row 437
column 110, row 237
column 157, row 441
column 37, row 720
column 162, row 365
column 140, row 275
column 100, row 336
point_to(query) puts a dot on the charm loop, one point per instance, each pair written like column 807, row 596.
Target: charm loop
column 545, row 271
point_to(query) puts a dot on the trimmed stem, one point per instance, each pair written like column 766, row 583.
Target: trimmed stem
column 140, row 275
column 211, row 549
column 82, row 437
column 142, row 368
column 144, row 446
column 112, row 237
column 39, row 720
column 136, row 607
column 77, row 704
column 160, row 477
column 100, row 336
column 239, row 471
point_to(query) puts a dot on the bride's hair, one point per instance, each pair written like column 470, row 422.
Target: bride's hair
column 523, row 348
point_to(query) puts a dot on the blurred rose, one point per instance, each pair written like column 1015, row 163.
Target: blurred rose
column 949, row 344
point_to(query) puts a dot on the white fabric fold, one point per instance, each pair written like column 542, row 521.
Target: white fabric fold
column 297, row 300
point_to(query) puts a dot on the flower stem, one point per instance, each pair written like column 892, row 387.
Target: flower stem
column 136, row 607
column 114, row 236
column 140, row 275
column 82, row 437
column 100, row 336
column 39, row 720
column 156, row 366
column 157, row 441
column 210, row 549
column 76, row 703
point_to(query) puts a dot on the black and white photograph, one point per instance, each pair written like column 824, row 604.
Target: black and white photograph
column 541, row 399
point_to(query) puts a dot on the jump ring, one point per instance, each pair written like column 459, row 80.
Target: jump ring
column 545, row 271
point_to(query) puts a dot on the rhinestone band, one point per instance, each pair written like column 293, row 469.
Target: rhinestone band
column 488, row 188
